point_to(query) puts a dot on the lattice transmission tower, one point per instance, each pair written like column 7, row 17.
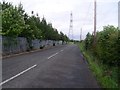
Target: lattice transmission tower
column 70, row 34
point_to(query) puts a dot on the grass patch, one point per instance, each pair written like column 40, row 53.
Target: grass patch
column 106, row 78
column 70, row 43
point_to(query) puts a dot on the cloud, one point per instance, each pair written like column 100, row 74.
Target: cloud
column 58, row 13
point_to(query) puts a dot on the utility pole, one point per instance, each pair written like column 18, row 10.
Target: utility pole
column 119, row 14
column 95, row 22
column 81, row 34
column 70, row 34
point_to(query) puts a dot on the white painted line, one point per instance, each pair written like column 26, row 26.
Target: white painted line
column 52, row 55
column 62, row 50
column 17, row 75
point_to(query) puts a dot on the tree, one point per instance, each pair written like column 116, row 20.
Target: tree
column 17, row 23
column 88, row 41
column 12, row 20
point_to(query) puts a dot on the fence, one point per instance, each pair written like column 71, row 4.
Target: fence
column 20, row 44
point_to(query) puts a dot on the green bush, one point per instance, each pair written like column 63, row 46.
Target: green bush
column 107, row 47
column 106, row 76
column 107, row 51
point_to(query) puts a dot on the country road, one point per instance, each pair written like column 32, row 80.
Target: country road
column 58, row 67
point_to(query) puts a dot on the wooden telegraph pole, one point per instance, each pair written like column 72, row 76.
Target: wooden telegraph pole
column 81, row 34
column 95, row 22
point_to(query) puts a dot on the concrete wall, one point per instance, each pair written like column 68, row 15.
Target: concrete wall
column 20, row 44
column 10, row 45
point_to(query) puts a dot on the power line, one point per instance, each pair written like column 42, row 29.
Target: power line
column 87, row 13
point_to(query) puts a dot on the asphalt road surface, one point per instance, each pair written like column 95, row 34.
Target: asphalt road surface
column 58, row 67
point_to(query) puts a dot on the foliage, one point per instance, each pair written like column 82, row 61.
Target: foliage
column 88, row 41
column 107, row 51
column 106, row 77
column 12, row 20
column 16, row 22
column 107, row 45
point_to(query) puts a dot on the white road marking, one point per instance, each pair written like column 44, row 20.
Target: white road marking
column 62, row 50
column 52, row 55
column 17, row 75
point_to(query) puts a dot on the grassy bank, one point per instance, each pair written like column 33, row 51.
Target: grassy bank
column 107, row 78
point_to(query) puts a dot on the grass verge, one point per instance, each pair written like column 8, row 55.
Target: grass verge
column 106, row 78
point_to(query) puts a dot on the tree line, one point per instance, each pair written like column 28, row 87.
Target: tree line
column 17, row 23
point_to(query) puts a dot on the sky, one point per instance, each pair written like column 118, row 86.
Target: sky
column 58, row 12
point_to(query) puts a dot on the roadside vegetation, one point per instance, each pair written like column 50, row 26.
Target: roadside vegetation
column 104, row 56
